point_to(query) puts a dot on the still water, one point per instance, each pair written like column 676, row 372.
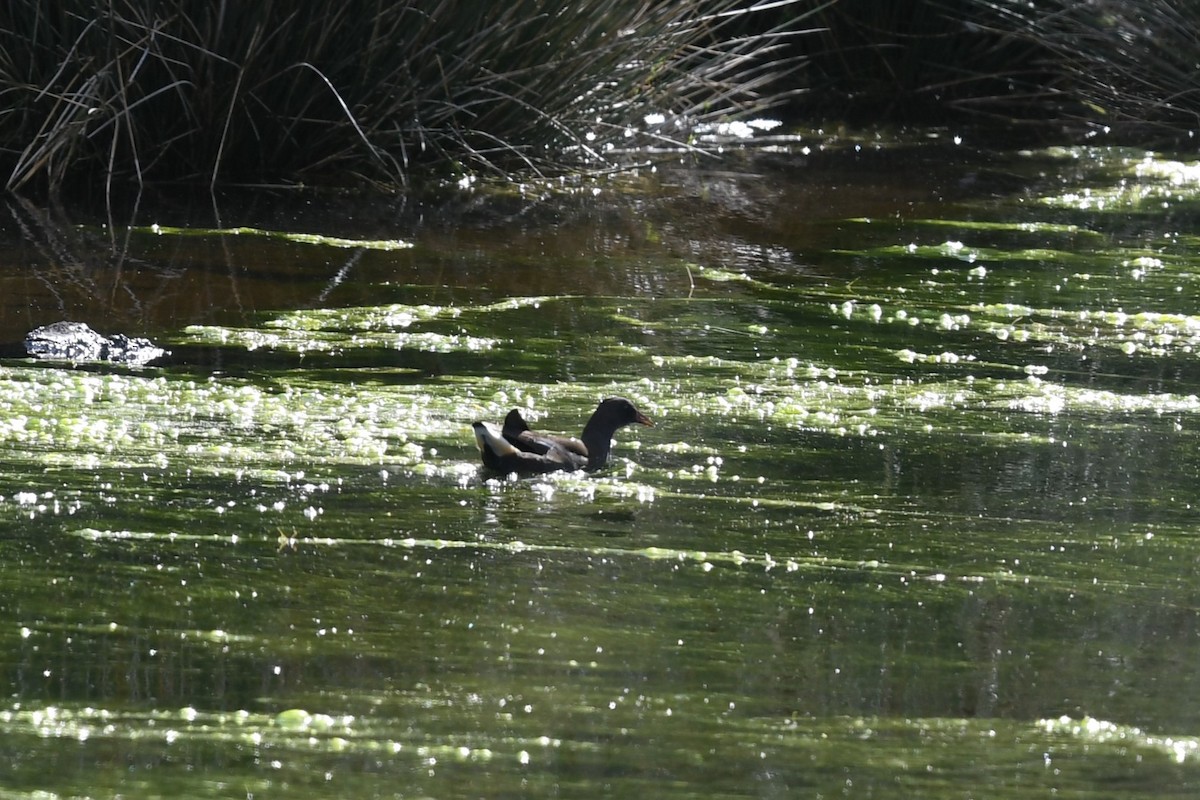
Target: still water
column 915, row 519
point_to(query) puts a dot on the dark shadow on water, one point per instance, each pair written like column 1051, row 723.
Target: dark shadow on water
column 763, row 212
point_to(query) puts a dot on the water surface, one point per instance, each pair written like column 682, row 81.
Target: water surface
column 915, row 518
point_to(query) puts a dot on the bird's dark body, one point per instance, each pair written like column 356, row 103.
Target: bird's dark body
column 518, row 449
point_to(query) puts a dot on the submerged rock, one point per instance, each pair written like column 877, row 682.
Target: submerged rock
column 75, row 341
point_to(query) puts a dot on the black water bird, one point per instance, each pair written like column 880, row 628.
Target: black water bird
column 518, row 449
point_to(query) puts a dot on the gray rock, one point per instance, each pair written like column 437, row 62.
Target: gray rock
column 75, row 341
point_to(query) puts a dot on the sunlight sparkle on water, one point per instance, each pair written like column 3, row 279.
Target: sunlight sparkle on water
column 901, row 416
column 1179, row 748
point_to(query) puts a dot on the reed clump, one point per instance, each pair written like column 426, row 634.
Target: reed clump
column 1128, row 67
column 1053, row 67
column 374, row 90
column 923, row 62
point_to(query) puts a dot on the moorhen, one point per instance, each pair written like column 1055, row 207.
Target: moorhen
column 518, row 449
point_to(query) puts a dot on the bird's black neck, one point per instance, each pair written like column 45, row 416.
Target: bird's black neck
column 597, row 438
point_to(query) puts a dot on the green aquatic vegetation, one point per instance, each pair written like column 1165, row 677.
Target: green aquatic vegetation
column 297, row 238
column 715, row 274
column 343, row 329
column 63, row 417
column 395, row 315
column 1103, row 732
column 1148, row 332
column 1027, row 226
column 898, row 514
column 959, row 251
column 307, row 340
column 1143, row 181
column 1121, row 198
